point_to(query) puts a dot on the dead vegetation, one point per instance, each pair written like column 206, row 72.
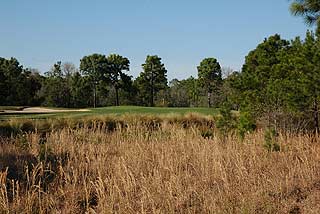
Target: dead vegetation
column 158, row 167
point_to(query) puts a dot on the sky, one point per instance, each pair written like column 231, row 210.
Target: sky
column 182, row 32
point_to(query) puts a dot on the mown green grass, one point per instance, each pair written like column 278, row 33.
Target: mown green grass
column 151, row 110
column 119, row 110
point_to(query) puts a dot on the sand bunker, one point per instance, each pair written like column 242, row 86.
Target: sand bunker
column 39, row 110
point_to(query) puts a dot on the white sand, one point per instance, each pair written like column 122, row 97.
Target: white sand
column 38, row 110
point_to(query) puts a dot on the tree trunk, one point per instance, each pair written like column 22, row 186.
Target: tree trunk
column 117, row 96
column 209, row 99
column 316, row 116
column 151, row 99
column 94, row 95
column 152, row 90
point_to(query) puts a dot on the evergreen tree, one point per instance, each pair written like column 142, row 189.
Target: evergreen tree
column 210, row 76
column 116, row 65
column 95, row 67
column 152, row 79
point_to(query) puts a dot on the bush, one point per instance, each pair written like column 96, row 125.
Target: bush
column 226, row 122
column 246, row 124
column 207, row 134
column 22, row 142
column 270, row 138
column 27, row 126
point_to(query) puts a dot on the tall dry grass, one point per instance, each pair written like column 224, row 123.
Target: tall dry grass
column 168, row 169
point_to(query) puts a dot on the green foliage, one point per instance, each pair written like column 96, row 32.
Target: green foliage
column 246, row 124
column 280, row 79
column 227, row 121
column 308, row 9
column 279, row 83
column 81, row 89
column 270, row 140
column 106, row 75
column 258, row 74
column 178, row 94
column 207, row 134
column 184, row 93
column 228, row 90
column 95, row 67
column 210, row 76
column 18, row 86
column 117, row 64
column 152, row 80
column 55, row 88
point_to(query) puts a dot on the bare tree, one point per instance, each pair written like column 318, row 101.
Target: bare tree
column 68, row 69
column 226, row 71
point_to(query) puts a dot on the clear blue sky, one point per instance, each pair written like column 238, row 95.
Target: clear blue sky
column 183, row 32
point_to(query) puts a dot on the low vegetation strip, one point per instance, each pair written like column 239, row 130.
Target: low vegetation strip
column 156, row 169
column 42, row 113
column 113, row 122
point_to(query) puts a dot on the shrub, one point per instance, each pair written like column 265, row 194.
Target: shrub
column 22, row 142
column 246, row 124
column 27, row 126
column 207, row 134
column 226, row 122
column 270, row 140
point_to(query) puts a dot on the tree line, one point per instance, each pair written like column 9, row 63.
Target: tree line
column 103, row 80
column 278, row 84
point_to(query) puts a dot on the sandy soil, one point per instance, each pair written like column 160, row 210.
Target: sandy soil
column 37, row 110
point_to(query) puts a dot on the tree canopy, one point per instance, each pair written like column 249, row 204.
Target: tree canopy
column 116, row 65
column 152, row 79
column 308, row 9
column 210, row 75
column 94, row 66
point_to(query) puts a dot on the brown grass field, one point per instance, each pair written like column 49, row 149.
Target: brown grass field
column 157, row 166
